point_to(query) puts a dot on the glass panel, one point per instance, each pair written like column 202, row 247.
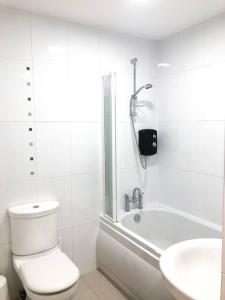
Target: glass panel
column 109, row 138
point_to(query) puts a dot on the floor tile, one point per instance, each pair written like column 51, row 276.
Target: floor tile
column 84, row 292
column 103, row 287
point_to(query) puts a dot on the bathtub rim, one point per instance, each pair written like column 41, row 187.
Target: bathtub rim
column 139, row 245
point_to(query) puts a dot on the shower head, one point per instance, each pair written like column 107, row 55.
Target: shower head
column 146, row 86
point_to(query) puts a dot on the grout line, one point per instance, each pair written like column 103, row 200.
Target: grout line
column 48, row 178
column 191, row 121
column 90, row 286
column 190, row 171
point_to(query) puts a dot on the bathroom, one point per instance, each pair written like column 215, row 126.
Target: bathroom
column 112, row 118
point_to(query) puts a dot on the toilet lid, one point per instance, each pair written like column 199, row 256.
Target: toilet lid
column 50, row 273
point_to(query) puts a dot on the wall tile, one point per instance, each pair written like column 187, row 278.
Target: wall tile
column 15, row 152
column 15, row 193
column 190, row 47
column 7, row 270
column 51, row 92
column 4, row 229
column 84, row 247
column 53, row 149
column 198, row 194
column 84, row 95
column 127, row 149
column 116, row 51
column 214, row 40
column 85, row 198
column 58, row 189
column 14, row 77
column 85, row 147
column 66, row 239
column 83, row 48
column 48, row 39
column 193, row 146
column 168, row 49
column 15, row 32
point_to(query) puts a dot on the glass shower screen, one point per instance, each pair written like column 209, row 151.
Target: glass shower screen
column 109, row 149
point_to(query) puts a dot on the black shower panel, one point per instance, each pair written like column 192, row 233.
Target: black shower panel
column 147, row 141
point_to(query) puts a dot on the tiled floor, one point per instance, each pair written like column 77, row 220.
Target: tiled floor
column 95, row 286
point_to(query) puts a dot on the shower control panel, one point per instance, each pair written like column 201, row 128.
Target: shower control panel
column 147, row 141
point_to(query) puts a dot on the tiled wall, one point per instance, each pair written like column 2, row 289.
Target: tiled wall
column 191, row 120
column 50, row 112
column 129, row 171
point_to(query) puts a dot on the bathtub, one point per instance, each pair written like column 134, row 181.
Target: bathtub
column 129, row 251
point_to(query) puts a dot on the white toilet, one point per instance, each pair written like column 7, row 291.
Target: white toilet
column 44, row 270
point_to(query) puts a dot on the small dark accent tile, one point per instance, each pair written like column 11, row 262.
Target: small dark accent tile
column 28, row 68
column 32, row 173
column 31, row 158
column 29, row 99
column 30, row 129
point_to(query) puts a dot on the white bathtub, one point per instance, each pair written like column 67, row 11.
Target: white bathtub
column 129, row 251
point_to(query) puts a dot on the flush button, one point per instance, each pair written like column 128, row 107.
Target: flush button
column 154, row 136
column 154, row 144
column 36, row 206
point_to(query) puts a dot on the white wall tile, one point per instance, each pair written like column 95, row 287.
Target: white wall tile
column 85, row 198
column 15, row 152
column 48, row 39
column 84, row 95
column 126, row 147
column 53, row 149
column 85, row 147
column 193, row 146
column 215, row 40
column 198, row 194
column 4, row 229
column 83, row 48
column 7, row 270
column 66, row 240
column 58, row 189
column 84, row 247
column 116, row 51
column 51, row 92
column 168, row 49
column 14, row 34
column 190, row 47
column 15, row 193
column 14, row 77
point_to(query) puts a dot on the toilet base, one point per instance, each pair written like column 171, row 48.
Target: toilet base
column 65, row 295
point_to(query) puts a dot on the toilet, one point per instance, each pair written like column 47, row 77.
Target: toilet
column 44, row 270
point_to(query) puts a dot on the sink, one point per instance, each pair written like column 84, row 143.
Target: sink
column 192, row 269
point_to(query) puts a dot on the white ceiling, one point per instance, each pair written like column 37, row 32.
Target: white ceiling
column 145, row 18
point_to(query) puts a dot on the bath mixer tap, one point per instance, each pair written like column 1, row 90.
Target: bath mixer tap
column 136, row 199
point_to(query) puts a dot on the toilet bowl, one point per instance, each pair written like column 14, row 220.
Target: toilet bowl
column 49, row 275
column 44, row 270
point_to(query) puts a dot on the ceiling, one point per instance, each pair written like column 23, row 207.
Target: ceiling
column 153, row 19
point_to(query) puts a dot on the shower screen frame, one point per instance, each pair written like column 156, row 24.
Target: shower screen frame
column 109, row 138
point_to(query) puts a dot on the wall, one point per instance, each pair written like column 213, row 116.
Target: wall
column 191, row 120
column 50, row 112
column 129, row 171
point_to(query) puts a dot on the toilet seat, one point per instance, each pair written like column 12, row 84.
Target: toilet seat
column 47, row 273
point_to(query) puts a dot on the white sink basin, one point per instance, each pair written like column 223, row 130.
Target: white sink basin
column 192, row 269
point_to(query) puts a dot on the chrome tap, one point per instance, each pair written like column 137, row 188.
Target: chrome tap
column 138, row 197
